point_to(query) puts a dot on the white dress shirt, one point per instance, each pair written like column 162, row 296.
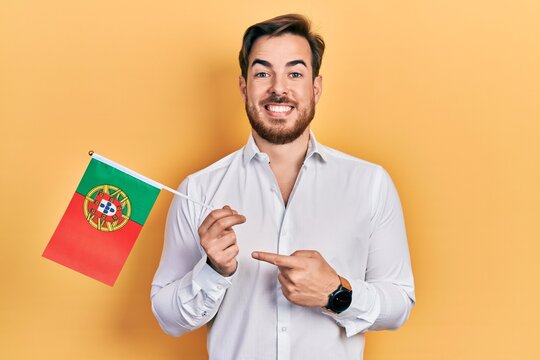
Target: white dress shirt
column 345, row 208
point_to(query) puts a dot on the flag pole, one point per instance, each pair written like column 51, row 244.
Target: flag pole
column 145, row 179
column 187, row 197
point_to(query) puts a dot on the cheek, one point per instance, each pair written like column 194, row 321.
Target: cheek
column 303, row 92
column 254, row 95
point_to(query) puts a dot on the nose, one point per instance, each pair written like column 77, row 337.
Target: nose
column 279, row 86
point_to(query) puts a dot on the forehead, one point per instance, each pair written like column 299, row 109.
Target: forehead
column 281, row 49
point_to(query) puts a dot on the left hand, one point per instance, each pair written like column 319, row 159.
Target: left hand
column 306, row 278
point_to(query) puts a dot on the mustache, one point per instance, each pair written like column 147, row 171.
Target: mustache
column 275, row 99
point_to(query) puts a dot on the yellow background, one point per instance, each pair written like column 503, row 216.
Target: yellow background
column 444, row 94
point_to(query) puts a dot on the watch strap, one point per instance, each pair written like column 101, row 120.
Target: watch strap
column 345, row 283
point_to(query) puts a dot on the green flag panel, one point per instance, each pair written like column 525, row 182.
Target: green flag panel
column 141, row 195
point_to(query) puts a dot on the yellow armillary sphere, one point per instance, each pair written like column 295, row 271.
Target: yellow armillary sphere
column 107, row 208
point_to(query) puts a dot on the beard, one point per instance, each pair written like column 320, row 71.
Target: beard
column 276, row 133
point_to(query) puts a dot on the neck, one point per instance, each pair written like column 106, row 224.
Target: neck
column 291, row 154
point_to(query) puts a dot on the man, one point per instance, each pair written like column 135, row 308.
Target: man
column 318, row 254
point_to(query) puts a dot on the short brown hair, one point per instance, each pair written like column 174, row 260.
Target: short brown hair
column 285, row 24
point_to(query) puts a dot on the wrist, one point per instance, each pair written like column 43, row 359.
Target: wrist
column 223, row 272
column 329, row 287
column 333, row 285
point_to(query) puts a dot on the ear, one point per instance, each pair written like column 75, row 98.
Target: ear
column 317, row 88
column 243, row 88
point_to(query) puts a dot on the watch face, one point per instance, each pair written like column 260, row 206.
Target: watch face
column 341, row 301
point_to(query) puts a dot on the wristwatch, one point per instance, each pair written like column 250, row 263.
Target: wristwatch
column 341, row 298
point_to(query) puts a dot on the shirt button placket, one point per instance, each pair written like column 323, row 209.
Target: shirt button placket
column 284, row 306
column 282, row 246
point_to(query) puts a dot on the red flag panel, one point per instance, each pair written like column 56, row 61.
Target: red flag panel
column 83, row 248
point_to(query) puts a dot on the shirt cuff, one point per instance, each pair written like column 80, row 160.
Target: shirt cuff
column 363, row 311
column 210, row 281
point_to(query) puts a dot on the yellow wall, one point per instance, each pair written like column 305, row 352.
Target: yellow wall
column 444, row 94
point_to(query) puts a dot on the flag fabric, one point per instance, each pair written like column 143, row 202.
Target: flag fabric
column 103, row 220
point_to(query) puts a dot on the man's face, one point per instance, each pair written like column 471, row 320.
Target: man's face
column 279, row 92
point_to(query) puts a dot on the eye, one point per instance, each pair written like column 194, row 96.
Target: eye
column 262, row 75
column 295, row 75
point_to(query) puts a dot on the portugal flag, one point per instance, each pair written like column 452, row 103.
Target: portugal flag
column 103, row 220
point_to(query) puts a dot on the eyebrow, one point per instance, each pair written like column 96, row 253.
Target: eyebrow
column 269, row 65
column 296, row 62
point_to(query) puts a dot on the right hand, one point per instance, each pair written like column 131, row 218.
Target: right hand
column 218, row 239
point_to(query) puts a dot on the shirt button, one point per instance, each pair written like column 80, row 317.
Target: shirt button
column 284, row 328
column 204, row 313
column 219, row 287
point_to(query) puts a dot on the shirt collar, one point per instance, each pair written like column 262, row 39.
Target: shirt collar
column 314, row 147
column 251, row 150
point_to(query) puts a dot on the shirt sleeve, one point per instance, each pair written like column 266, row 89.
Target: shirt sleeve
column 186, row 292
column 384, row 299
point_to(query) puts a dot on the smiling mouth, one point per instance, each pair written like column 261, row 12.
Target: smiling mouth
column 279, row 109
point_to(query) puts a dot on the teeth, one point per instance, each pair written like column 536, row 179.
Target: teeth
column 279, row 108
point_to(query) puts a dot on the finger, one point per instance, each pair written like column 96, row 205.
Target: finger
column 214, row 216
column 224, row 225
column 229, row 208
column 286, row 287
column 225, row 232
column 306, row 253
column 282, row 280
column 231, row 252
column 225, row 258
column 222, row 242
column 276, row 259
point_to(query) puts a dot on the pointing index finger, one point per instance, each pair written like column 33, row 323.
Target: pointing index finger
column 275, row 259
